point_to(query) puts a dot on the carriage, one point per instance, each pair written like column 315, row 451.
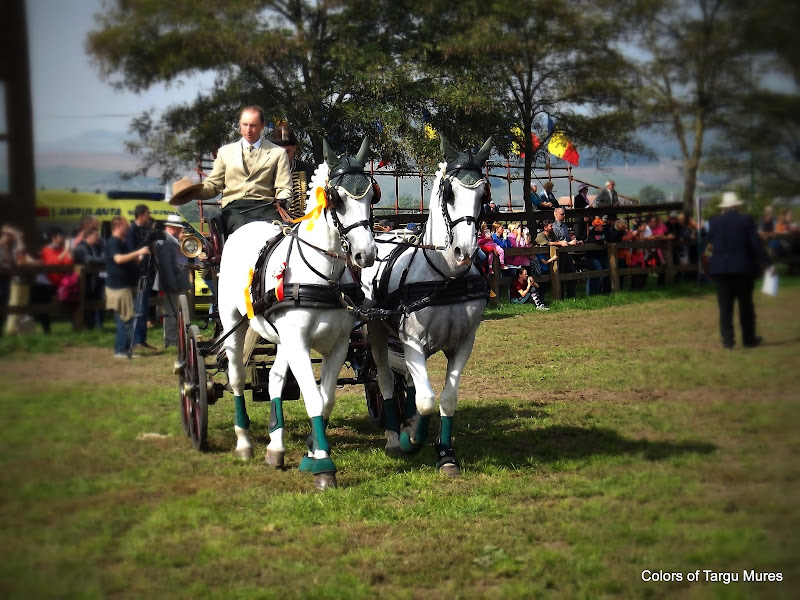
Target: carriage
column 421, row 296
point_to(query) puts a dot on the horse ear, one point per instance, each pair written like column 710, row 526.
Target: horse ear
column 484, row 152
column 363, row 153
column 447, row 150
column 330, row 156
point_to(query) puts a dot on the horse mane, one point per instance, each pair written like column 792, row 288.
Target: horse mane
column 318, row 180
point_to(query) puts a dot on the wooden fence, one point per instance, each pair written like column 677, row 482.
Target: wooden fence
column 499, row 284
column 24, row 275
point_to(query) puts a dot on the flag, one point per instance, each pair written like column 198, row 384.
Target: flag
column 384, row 161
column 563, row 148
column 516, row 131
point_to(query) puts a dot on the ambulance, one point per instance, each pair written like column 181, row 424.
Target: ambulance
column 64, row 209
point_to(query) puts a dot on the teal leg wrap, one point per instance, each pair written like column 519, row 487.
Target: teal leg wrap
column 446, row 432
column 275, row 414
column 307, row 462
column 323, row 465
column 390, row 411
column 411, row 403
column 420, row 435
column 242, row 420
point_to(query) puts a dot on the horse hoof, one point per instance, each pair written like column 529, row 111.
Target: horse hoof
column 408, row 446
column 274, row 458
column 393, row 444
column 450, row 469
column 324, row 481
column 244, row 453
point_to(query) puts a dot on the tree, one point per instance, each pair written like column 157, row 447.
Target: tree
column 760, row 138
column 651, row 195
column 321, row 66
column 693, row 66
column 510, row 65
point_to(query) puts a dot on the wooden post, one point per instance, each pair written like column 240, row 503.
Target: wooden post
column 494, row 280
column 669, row 269
column 555, row 279
column 613, row 267
column 78, row 321
column 19, row 295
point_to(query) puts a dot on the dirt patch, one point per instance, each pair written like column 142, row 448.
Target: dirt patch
column 94, row 366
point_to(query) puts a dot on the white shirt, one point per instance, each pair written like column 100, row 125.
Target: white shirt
column 246, row 145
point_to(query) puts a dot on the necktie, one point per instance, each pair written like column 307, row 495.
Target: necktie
column 251, row 152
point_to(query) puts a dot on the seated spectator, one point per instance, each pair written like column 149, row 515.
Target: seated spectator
column 500, row 235
column 517, row 240
column 490, row 211
column 598, row 259
column 525, row 289
column 637, row 256
column 549, row 199
column 623, row 254
column 536, row 199
column 488, row 247
column 547, row 237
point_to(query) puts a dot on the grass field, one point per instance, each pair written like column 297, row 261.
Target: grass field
column 603, row 439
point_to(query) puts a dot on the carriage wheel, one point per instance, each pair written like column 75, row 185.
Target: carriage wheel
column 374, row 398
column 372, row 393
column 195, row 389
column 180, row 365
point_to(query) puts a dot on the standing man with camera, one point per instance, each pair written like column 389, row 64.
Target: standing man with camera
column 137, row 237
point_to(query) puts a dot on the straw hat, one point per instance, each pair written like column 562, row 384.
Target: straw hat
column 730, row 200
column 183, row 191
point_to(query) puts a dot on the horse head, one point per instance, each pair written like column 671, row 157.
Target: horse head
column 461, row 192
column 350, row 193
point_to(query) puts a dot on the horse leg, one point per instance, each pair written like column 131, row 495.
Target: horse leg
column 277, row 378
column 415, row 431
column 299, row 358
column 379, row 344
column 446, row 461
column 234, row 345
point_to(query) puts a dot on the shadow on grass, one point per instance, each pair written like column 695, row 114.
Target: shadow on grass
column 492, row 437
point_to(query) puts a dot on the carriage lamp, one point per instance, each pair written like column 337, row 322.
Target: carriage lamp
column 191, row 246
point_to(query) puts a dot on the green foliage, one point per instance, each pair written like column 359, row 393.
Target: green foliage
column 650, row 194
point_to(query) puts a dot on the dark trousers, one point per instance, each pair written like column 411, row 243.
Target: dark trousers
column 241, row 212
column 732, row 288
column 567, row 265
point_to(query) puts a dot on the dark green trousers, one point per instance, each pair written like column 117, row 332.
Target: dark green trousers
column 239, row 212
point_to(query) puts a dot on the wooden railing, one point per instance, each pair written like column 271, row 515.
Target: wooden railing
column 499, row 284
column 23, row 276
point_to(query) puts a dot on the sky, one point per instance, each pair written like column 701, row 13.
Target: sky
column 68, row 95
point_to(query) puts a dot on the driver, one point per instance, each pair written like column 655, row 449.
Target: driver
column 252, row 175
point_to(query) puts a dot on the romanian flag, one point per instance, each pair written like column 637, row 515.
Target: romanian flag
column 563, row 148
column 516, row 131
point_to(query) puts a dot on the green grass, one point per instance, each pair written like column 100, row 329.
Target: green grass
column 596, row 443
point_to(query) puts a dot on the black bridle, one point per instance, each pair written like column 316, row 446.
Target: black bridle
column 340, row 171
column 446, row 188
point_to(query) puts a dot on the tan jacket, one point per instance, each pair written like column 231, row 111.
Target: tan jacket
column 270, row 178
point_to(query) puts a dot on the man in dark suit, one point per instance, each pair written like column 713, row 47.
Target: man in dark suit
column 736, row 258
column 302, row 171
column 172, row 278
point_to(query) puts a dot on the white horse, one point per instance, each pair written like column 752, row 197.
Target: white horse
column 302, row 283
column 438, row 297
